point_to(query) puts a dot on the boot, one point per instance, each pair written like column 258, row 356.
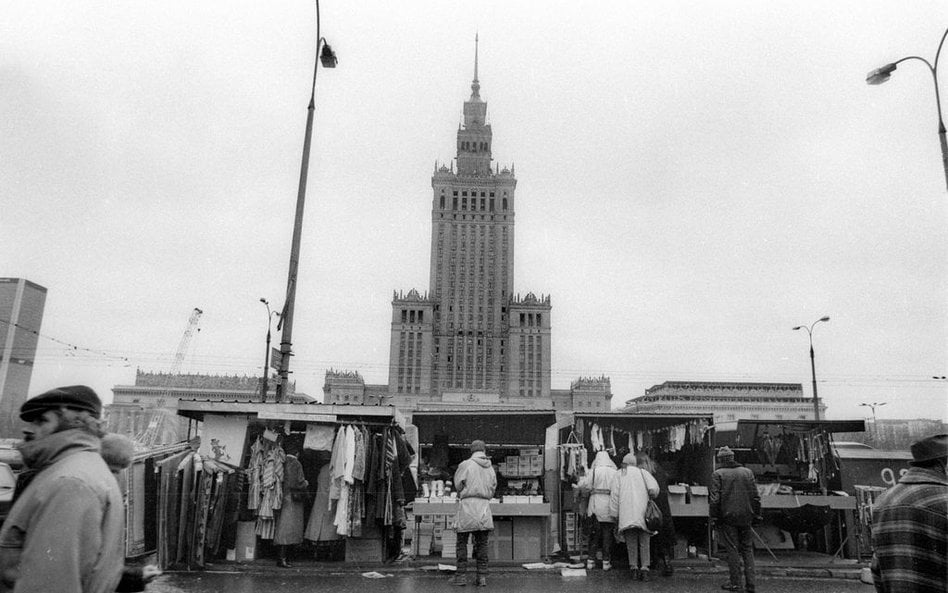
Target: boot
column 645, row 575
column 481, row 581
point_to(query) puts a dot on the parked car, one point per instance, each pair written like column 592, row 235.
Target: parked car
column 7, row 486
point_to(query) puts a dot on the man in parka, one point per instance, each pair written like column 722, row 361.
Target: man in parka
column 475, row 482
column 65, row 533
column 735, row 505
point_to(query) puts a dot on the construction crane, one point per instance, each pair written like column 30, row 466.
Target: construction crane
column 151, row 433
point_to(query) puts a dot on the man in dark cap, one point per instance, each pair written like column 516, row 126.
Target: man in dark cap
column 65, row 532
column 475, row 481
column 735, row 506
column 910, row 525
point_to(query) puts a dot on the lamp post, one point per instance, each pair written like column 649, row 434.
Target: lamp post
column 266, row 354
column 809, row 332
column 882, row 74
column 875, row 427
column 325, row 55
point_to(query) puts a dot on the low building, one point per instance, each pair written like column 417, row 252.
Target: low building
column 148, row 409
column 727, row 401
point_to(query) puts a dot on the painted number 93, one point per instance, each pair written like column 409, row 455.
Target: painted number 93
column 888, row 476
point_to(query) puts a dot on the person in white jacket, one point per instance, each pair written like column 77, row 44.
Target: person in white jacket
column 631, row 491
column 475, row 481
column 597, row 483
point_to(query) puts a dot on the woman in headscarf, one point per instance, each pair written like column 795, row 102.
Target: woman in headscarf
column 631, row 491
column 664, row 541
column 597, row 483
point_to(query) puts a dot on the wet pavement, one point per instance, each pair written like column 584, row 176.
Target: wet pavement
column 419, row 582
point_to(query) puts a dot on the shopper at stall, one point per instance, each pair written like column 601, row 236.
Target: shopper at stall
column 600, row 523
column 65, row 532
column 663, row 542
column 118, row 451
column 910, row 524
column 289, row 523
column 735, row 506
column 631, row 490
column 475, row 482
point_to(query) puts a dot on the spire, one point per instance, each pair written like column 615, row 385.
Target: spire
column 475, row 86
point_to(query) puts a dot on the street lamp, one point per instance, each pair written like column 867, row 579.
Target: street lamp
column 875, row 427
column 809, row 331
column 882, row 74
column 325, row 55
column 266, row 355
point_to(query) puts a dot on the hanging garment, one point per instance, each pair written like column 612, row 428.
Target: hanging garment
column 319, row 437
column 320, row 527
column 289, row 524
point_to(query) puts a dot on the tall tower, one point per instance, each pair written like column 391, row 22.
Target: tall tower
column 470, row 339
column 21, row 314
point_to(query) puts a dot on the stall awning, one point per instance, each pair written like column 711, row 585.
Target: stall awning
column 639, row 421
column 196, row 409
column 499, row 427
column 743, row 433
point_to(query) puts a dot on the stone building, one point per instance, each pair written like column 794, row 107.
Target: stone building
column 21, row 313
column 472, row 339
column 153, row 400
column 727, row 401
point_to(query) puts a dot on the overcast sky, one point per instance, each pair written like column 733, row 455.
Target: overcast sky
column 694, row 179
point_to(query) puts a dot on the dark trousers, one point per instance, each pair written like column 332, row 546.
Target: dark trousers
column 600, row 538
column 480, row 551
column 739, row 545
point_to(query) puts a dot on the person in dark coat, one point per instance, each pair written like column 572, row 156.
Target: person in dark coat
column 735, row 506
column 289, row 525
column 910, row 524
column 663, row 543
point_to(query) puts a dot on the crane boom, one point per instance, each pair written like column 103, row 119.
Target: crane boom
column 151, row 433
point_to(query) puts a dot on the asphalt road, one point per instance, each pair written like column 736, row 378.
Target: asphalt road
column 533, row 582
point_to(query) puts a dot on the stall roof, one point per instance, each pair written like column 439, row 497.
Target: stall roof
column 744, row 432
column 649, row 421
column 196, row 409
column 497, row 427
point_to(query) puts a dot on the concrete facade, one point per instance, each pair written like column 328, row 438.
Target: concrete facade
column 21, row 314
column 727, row 401
column 471, row 340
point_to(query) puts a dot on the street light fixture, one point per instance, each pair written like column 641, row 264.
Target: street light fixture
column 328, row 58
column 875, row 427
column 882, row 74
column 266, row 355
column 809, row 332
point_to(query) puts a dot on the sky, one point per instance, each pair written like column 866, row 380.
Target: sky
column 694, row 180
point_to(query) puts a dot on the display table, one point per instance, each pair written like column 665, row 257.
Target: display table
column 521, row 530
column 794, row 501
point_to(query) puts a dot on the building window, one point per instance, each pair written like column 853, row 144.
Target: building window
column 505, row 204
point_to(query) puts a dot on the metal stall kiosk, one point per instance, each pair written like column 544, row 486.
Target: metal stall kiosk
column 224, row 501
column 515, row 441
column 799, row 475
column 680, row 444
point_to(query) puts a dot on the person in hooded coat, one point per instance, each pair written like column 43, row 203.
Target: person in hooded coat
column 631, row 491
column 601, row 522
column 475, row 482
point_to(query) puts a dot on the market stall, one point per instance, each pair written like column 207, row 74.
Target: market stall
column 521, row 508
column 351, row 478
column 679, row 444
column 800, row 478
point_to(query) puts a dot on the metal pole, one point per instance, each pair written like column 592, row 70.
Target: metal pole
column 816, row 399
column 266, row 360
column 286, row 340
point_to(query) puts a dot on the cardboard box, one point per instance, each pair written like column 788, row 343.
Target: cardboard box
column 246, row 542
column 677, row 494
column 532, row 452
